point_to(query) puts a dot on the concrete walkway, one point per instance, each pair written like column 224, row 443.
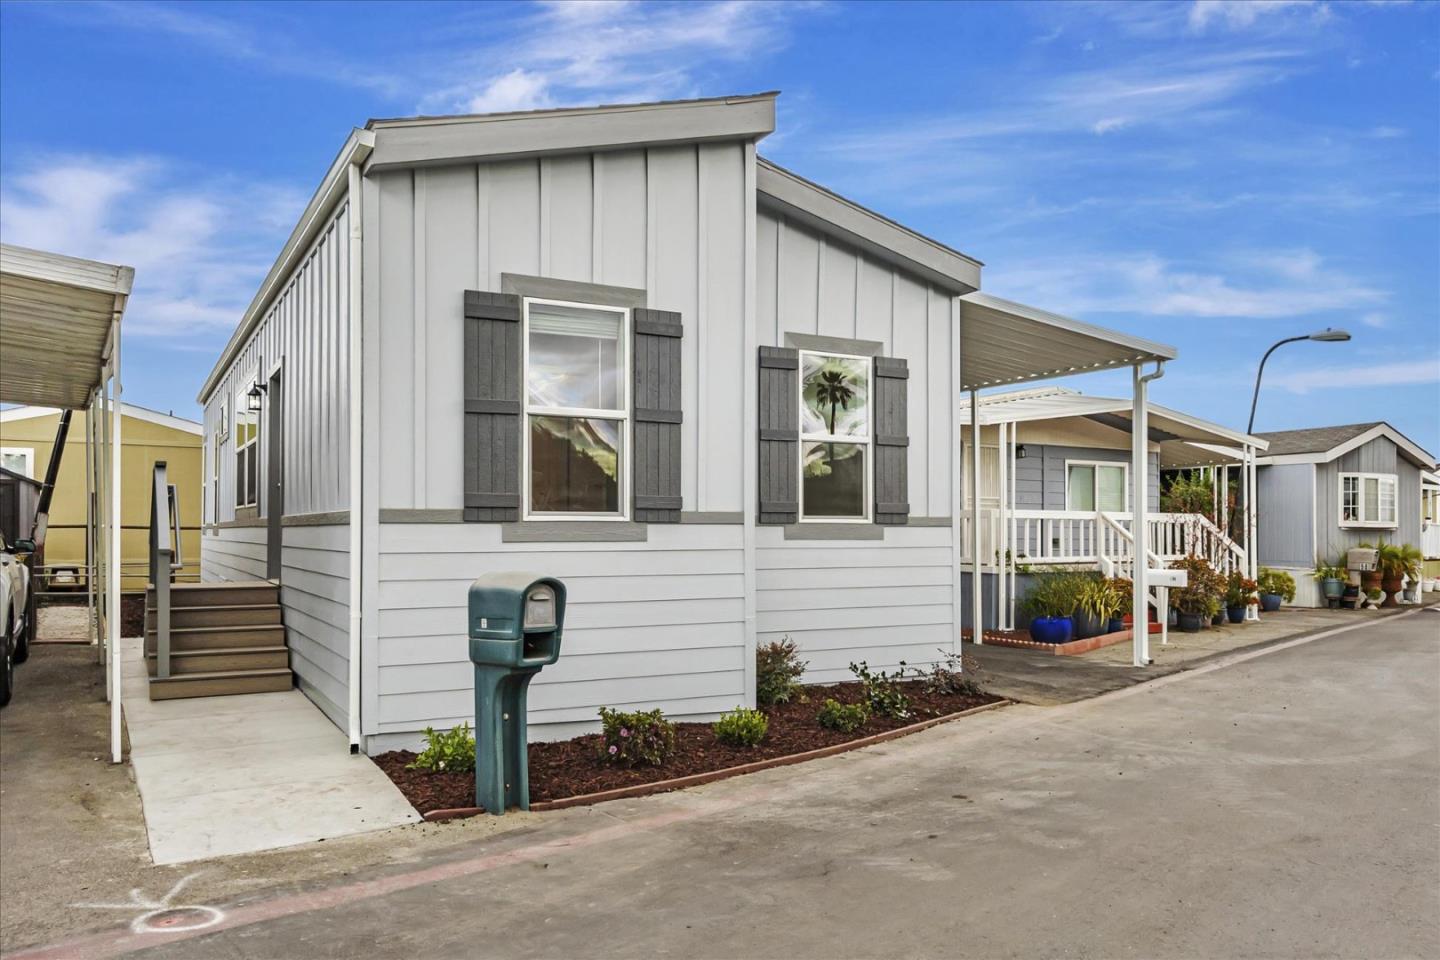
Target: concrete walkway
column 1047, row 680
column 228, row 775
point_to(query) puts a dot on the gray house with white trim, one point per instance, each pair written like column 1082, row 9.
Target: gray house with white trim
column 1323, row 490
column 616, row 346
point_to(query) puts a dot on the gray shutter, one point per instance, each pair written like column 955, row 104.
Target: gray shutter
column 779, row 435
column 492, row 407
column 656, row 461
column 892, row 443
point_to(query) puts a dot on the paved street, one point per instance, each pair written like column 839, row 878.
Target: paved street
column 1287, row 805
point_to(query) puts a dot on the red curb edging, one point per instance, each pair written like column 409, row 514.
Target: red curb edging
column 1069, row 649
column 696, row 779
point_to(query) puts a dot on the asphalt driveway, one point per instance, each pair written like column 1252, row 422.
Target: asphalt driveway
column 1286, row 805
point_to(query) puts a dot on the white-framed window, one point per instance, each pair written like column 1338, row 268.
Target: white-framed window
column 247, row 447
column 19, row 459
column 576, row 396
column 1368, row 499
column 837, row 463
column 1097, row 485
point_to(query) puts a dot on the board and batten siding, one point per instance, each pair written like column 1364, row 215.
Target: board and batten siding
column 306, row 330
column 887, row 600
column 1378, row 456
column 658, row 622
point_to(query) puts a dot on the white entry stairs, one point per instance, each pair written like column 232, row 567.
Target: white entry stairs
column 225, row 638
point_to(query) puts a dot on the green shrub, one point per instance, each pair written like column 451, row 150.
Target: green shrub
column 778, row 669
column 843, row 717
column 1277, row 581
column 882, row 690
column 1055, row 593
column 953, row 676
column 631, row 739
column 741, row 727
column 450, row 752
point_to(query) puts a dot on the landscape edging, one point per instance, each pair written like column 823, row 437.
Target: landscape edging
column 696, row 779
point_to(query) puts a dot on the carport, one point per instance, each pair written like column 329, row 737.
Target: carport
column 1003, row 343
column 60, row 347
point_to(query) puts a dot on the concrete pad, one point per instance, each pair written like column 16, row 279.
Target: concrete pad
column 227, row 775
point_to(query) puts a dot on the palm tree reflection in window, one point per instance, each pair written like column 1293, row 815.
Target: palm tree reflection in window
column 836, row 433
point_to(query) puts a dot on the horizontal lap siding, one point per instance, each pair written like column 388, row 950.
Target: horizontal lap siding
column 654, row 623
column 314, row 593
column 233, row 553
column 843, row 601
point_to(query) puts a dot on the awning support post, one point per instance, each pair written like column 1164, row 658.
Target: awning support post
column 1140, row 525
column 977, row 593
column 113, row 626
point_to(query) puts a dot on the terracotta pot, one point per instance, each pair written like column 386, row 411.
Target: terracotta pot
column 1392, row 590
column 1369, row 580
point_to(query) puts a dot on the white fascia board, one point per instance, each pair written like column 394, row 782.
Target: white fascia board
column 15, row 414
column 428, row 141
column 1207, row 426
column 333, row 188
column 1280, row 460
column 66, row 271
column 812, row 205
column 1412, row 452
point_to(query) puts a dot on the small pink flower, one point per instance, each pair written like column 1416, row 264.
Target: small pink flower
column 614, row 750
column 624, row 732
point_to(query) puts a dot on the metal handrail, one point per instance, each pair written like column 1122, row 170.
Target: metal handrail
column 164, row 561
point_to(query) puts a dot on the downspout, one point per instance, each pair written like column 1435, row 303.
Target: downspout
column 356, row 461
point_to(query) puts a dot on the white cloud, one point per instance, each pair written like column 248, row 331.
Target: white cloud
column 1376, row 320
column 1240, row 14
column 199, row 249
column 1375, row 376
column 1263, row 286
column 517, row 90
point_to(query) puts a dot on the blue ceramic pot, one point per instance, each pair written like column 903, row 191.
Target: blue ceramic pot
column 1115, row 625
column 1051, row 629
column 1235, row 614
column 1270, row 602
column 1190, row 622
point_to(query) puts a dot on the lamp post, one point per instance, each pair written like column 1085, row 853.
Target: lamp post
column 1324, row 336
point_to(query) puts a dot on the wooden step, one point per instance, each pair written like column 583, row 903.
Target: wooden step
column 221, row 638
column 219, row 593
column 221, row 660
column 221, row 683
column 223, row 615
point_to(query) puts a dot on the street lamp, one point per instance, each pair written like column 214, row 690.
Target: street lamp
column 1324, row 336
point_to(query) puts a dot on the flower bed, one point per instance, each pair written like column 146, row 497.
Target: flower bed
column 570, row 768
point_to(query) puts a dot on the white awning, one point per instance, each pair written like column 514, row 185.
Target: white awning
column 1002, row 342
column 56, row 314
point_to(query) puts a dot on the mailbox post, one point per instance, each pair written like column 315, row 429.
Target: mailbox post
column 515, row 625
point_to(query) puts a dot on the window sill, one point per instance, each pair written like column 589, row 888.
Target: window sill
column 1377, row 525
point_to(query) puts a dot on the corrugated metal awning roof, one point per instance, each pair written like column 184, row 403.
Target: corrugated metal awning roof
column 1002, row 342
column 55, row 322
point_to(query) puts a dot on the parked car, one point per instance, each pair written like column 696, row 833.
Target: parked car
column 15, row 626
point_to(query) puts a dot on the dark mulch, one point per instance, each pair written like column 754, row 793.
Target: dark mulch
column 132, row 615
column 570, row 768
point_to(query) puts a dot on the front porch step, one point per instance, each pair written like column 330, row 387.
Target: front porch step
column 186, row 639
column 220, row 615
column 221, row 661
column 219, row 593
column 221, row 683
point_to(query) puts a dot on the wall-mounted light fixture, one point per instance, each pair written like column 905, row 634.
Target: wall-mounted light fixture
column 254, row 395
column 1020, row 451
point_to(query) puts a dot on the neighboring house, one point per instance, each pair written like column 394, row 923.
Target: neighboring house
column 615, row 346
column 1430, row 523
column 1055, row 477
column 1324, row 490
column 27, row 438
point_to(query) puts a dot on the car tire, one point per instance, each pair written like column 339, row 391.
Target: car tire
column 7, row 671
column 22, row 642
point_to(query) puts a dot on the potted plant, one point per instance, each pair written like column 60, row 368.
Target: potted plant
column 1276, row 587
column 1198, row 601
column 1239, row 594
column 1122, row 591
column 1390, row 563
column 1097, row 608
column 1331, row 577
column 1370, row 579
column 1050, row 604
column 1412, row 560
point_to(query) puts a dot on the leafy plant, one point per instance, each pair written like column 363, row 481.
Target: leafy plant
column 882, row 690
column 1277, row 581
column 1203, row 590
column 452, row 751
column 952, row 676
column 741, row 727
column 1329, row 571
column 1054, row 593
column 778, row 669
column 843, row 717
column 1098, row 598
column 630, row 739
column 1240, row 590
column 1189, row 495
column 1124, row 591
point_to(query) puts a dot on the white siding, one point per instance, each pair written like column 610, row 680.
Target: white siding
column 314, row 592
column 659, row 623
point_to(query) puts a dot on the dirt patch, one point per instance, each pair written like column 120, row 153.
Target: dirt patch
column 569, row 768
column 132, row 615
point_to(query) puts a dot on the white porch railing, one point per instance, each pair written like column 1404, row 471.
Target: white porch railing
column 1043, row 537
column 1430, row 539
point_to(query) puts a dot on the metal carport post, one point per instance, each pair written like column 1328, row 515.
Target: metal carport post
column 60, row 347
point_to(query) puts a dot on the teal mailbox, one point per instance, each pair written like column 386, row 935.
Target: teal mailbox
column 515, row 624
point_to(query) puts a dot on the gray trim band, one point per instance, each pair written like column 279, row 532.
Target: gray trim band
column 422, row 516
column 713, row 516
column 834, row 531
column 239, row 522
column 929, row 522
column 573, row 531
column 810, row 341
column 549, row 289
column 328, row 519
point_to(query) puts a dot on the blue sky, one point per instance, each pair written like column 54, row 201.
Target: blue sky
column 1215, row 175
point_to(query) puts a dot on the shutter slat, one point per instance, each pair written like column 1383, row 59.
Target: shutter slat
column 492, row 407
column 656, row 495
column 892, row 441
column 779, row 435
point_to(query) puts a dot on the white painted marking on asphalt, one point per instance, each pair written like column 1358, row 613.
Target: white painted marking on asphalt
column 164, row 915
